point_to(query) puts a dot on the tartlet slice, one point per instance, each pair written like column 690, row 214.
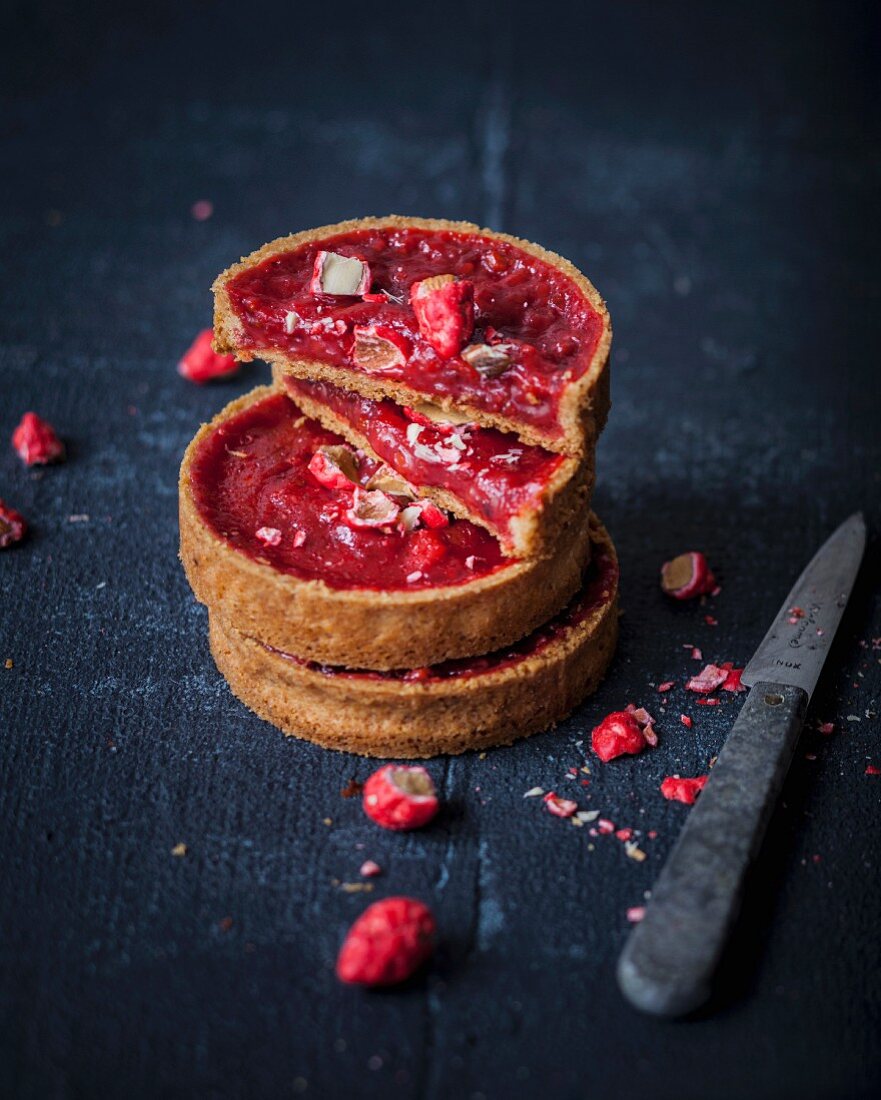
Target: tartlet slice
column 463, row 317
column 284, row 536
column 450, row 708
column 523, row 495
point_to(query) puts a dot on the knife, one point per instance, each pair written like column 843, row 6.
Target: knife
column 667, row 965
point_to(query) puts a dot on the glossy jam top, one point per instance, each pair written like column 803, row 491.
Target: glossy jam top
column 252, row 485
column 491, row 472
column 600, row 582
column 530, row 304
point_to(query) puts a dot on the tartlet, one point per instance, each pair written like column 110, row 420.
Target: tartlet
column 512, row 334
column 302, row 566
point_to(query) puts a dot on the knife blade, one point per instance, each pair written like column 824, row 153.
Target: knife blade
column 668, row 963
column 794, row 649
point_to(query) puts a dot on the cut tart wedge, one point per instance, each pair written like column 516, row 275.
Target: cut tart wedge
column 286, row 534
column 472, row 703
column 523, row 495
column 512, row 335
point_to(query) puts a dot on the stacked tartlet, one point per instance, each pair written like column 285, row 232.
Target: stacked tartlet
column 394, row 541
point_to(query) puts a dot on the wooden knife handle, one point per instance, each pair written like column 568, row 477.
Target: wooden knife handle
column 667, row 965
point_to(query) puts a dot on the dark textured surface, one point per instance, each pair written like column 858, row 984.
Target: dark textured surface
column 717, row 176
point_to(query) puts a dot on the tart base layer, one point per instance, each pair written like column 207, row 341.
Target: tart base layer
column 398, row 717
column 364, row 627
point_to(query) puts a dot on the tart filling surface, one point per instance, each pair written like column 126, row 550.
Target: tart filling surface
column 258, row 484
column 493, row 474
column 455, row 316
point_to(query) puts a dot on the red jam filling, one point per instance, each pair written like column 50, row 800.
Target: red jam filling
column 537, row 311
column 600, row 580
column 491, row 472
column 253, row 486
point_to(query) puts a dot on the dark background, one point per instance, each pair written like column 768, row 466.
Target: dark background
column 715, row 170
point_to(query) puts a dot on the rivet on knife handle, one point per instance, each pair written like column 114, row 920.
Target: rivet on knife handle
column 667, row 966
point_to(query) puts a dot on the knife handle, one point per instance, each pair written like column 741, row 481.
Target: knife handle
column 667, row 965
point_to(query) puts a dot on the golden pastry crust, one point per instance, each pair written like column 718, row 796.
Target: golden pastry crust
column 535, row 530
column 405, row 719
column 365, row 628
column 584, row 404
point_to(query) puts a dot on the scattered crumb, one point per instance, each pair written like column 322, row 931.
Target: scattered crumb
column 645, row 722
column 677, row 789
column 733, row 680
column 352, row 789
column 587, row 815
column 179, row 850
column 559, row 807
column 225, row 923
column 635, row 913
column 354, row 887
column 8, row 663
column 370, row 869
column 708, row 679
